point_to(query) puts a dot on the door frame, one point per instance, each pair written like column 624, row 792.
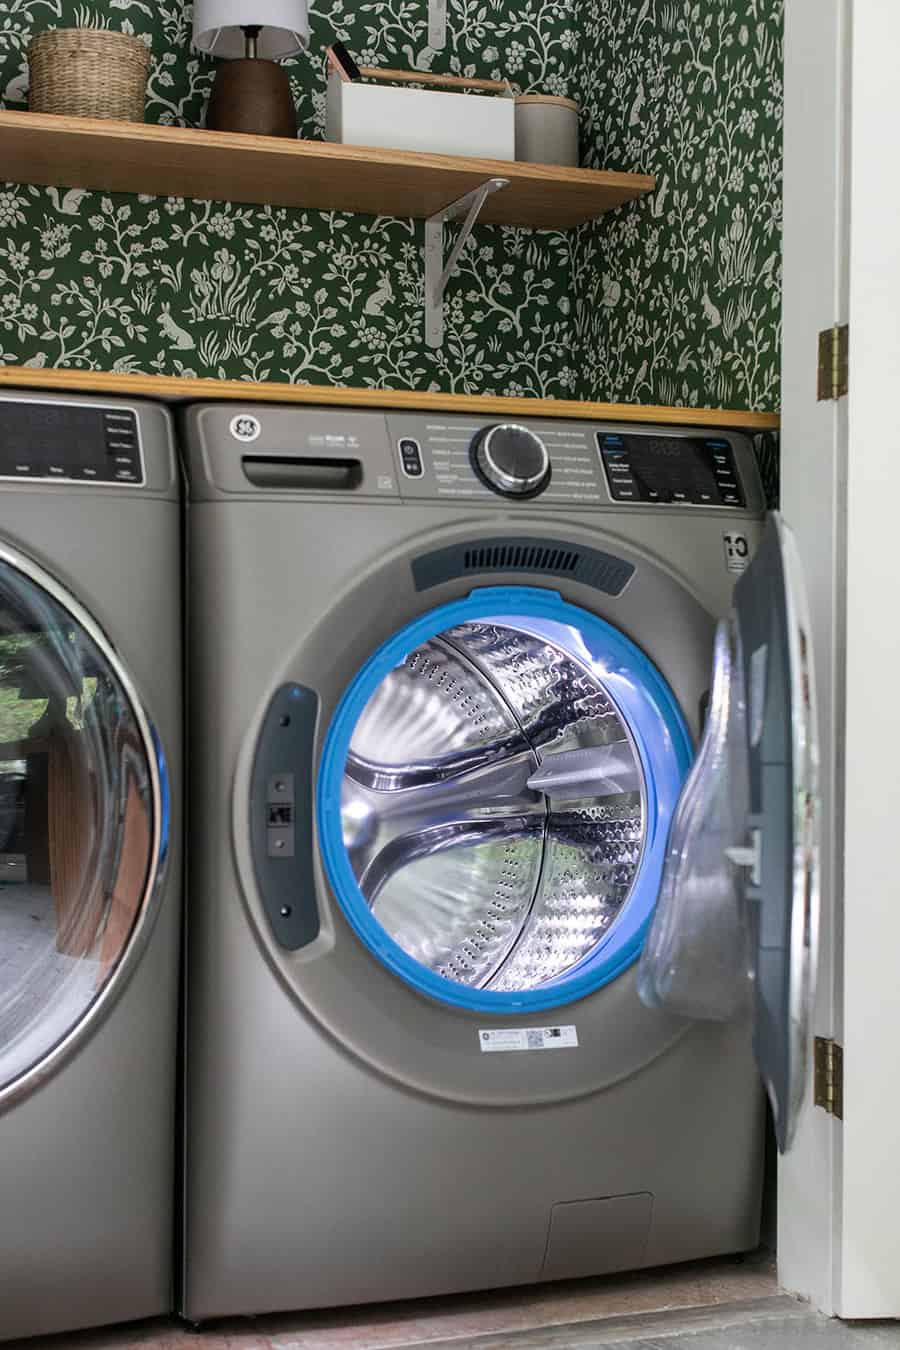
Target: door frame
column 839, row 1188
column 867, row 1239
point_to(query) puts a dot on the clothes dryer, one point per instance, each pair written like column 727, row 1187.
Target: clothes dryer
column 90, row 762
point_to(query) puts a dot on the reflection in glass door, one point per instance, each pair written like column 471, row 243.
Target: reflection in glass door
column 80, row 818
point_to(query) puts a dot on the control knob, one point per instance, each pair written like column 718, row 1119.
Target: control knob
column 511, row 460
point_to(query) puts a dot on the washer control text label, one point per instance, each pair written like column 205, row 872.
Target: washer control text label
column 527, row 1038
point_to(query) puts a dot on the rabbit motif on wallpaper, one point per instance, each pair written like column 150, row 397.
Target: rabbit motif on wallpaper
column 179, row 338
column 381, row 296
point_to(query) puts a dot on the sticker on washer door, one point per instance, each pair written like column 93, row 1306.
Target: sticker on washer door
column 737, row 551
column 527, row 1038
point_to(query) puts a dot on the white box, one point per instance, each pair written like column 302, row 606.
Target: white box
column 420, row 119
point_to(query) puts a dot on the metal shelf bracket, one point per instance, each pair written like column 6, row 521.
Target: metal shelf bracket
column 437, row 274
column 437, row 24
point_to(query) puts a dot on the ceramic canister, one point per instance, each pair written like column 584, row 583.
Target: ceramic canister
column 547, row 129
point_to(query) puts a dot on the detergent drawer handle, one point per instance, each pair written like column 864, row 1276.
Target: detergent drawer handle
column 281, row 816
column 299, row 474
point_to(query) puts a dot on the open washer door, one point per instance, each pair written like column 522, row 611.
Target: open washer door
column 737, row 920
column 83, row 824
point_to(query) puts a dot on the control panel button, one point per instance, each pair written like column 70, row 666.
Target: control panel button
column 511, row 460
column 411, row 458
column 623, row 489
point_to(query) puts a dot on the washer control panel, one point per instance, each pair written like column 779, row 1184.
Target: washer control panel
column 463, row 458
column 670, row 470
column 562, row 463
column 70, row 442
column 511, row 460
column 519, row 463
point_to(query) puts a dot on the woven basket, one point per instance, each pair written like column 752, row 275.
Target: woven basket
column 88, row 72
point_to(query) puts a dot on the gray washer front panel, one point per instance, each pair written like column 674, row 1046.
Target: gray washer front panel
column 346, row 1138
column 87, row 1175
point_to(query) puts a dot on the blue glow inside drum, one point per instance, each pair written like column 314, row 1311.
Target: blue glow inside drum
column 495, row 797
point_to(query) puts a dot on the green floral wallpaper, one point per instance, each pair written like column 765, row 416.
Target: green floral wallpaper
column 673, row 300
column 679, row 300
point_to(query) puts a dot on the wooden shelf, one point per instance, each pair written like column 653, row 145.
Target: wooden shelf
column 171, row 389
column 221, row 166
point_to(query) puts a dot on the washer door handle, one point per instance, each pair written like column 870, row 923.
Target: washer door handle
column 281, row 816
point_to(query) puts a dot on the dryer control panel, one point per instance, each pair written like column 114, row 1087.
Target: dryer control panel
column 70, row 442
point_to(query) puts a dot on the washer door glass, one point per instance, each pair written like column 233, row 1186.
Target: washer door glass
column 739, row 912
column 82, row 820
column 495, row 796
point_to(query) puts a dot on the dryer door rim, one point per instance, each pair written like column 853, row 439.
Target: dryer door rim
column 86, row 1025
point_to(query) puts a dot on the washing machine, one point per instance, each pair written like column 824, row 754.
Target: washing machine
column 90, row 751
column 447, row 678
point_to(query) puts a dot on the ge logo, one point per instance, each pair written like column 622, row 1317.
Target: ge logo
column 245, row 427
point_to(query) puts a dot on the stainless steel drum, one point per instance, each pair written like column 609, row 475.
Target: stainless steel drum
column 493, row 807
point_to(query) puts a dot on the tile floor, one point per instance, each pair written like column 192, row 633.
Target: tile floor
column 459, row 1320
column 708, row 1305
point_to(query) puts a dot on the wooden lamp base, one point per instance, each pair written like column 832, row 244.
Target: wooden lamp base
column 254, row 97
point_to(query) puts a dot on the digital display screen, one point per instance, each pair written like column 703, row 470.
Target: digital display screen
column 69, row 442
column 670, row 469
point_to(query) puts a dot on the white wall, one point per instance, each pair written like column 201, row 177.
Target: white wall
column 868, row 1282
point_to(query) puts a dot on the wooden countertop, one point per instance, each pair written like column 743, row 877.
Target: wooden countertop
column 171, row 389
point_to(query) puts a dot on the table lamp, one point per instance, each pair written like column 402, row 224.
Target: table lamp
column 251, row 93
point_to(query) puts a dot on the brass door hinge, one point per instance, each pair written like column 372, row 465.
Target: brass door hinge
column 834, row 344
column 829, row 1077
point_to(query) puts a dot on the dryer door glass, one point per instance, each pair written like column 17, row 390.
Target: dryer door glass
column 501, row 795
column 81, row 821
column 737, row 921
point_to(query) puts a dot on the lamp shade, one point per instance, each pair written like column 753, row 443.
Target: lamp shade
column 284, row 26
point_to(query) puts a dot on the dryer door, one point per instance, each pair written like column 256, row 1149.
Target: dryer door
column 737, row 920
column 83, row 824
column 495, row 797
